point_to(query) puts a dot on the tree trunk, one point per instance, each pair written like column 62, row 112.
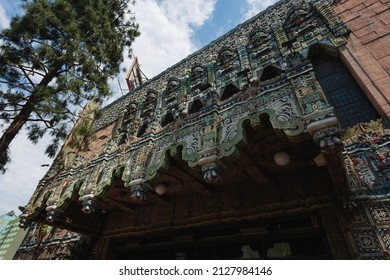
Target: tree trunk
column 15, row 126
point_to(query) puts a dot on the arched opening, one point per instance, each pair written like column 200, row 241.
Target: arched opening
column 296, row 18
column 342, row 91
column 167, row 119
column 265, row 120
column 229, row 91
column 257, row 38
column 142, row 130
column 195, row 106
column 270, row 72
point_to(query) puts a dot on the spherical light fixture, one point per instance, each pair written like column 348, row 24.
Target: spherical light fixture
column 23, row 223
column 89, row 206
column 52, row 216
column 161, row 189
column 139, row 192
column 282, row 158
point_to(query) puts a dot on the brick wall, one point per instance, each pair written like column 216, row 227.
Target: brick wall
column 367, row 54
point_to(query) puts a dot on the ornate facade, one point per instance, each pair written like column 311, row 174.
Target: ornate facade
column 44, row 242
column 266, row 143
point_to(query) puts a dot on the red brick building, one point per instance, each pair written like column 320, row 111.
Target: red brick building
column 367, row 53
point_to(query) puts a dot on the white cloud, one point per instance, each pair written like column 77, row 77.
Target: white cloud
column 23, row 173
column 256, row 6
column 188, row 11
column 166, row 32
column 4, row 20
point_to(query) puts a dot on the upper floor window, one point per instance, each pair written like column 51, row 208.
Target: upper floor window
column 342, row 91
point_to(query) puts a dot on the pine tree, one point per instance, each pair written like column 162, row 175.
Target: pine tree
column 55, row 57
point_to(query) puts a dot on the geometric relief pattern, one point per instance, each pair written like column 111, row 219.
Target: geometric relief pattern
column 367, row 158
column 384, row 234
column 366, row 241
column 357, row 218
column 381, row 215
column 370, row 231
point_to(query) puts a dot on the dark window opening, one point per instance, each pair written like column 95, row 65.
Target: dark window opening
column 167, row 119
column 265, row 122
column 270, row 72
column 229, row 91
column 122, row 138
column 142, row 130
column 306, row 246
column 195, row 106
column 342, row 91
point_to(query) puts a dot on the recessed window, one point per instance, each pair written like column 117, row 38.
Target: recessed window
column 167, row 119
column 270, row 72
column 142, row 130
column 229, row 91
column 195, row 107
column 342, row 91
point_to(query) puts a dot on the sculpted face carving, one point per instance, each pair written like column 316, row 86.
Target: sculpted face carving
column 297, row 19
column 132, row 107
column 257, row 39
column 151, row 97
column 197, row 72
column 225, row 56
column 173, row 85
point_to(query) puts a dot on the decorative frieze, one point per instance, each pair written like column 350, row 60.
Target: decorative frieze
column 367, row 157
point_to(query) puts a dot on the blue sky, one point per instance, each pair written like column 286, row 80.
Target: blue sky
column 170, row 31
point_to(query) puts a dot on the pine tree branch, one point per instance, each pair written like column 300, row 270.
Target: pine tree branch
column 29, row 120
column 27, row 76
column 16, row 85
column 10, row 103
column 20, row 85
column 73, row 116
column 64, row 35
column 31, row 70
column 48, row 123
column 11, row 110
column 42, row 42
column 66, row 70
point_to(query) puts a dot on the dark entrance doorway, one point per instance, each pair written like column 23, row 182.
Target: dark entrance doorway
column 298, row 238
